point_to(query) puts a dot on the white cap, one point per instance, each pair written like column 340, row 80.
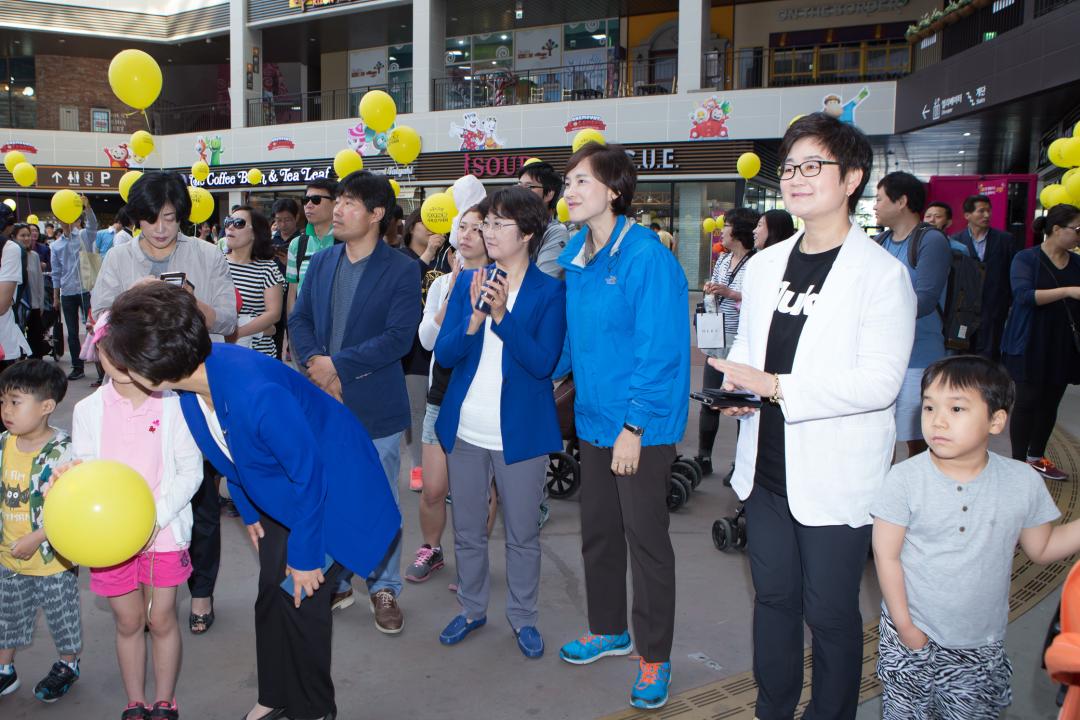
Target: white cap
column 468, row 192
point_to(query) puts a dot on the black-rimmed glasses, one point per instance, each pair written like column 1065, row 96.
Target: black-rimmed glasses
column 808, row 168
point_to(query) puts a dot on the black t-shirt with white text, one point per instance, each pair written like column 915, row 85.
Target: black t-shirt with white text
column 803, row 279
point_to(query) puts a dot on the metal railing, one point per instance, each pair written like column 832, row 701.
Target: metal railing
column 1044, row 6
column 168, row 119
column 958, row 34
column 737, row 69
column 467, row 87
column 321, row 105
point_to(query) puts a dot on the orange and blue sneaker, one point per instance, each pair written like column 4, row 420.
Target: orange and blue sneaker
column 590, row 648
column 650, row 691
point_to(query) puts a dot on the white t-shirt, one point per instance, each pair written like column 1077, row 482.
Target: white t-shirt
column 122, row 237
column 11, row 338
column 214, row 424
column 481, row 411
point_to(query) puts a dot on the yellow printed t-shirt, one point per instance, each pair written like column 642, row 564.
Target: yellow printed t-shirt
column 15, row 511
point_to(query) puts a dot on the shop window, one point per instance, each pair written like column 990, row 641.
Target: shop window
column 18, row 96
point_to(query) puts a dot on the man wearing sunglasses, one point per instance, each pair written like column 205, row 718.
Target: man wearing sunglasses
column 319, row 235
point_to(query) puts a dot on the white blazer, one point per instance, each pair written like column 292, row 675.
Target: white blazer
column 848, row 368
column 182, row 463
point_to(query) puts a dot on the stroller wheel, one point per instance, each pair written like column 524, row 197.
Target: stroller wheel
column 721, row 534
column 699, row 472
column 563, row 475
column 739, row 524
column 684, row 481
column 676, row 495
column 684, row 468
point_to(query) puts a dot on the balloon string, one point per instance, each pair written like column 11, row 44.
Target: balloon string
column 150, row 605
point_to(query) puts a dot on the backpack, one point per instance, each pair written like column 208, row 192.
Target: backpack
column 962, row 314
column 21, row 302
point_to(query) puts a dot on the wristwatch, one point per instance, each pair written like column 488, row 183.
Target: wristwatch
column 639, row 431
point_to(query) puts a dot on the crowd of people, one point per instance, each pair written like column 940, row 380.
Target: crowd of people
column 371, row 333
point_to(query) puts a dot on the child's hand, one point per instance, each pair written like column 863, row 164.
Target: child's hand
column 60, row 470
column 913, row 638
column 25, row 547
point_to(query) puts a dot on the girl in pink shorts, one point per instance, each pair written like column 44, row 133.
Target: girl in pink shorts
column 122, row 421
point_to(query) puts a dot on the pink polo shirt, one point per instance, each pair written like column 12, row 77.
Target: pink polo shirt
column 132, row 436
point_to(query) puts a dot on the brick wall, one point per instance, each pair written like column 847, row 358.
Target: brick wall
column 79, row 82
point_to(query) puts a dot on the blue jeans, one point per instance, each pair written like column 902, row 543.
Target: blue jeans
column 388, row 574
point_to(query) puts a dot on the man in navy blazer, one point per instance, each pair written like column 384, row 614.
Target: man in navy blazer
column 355, row 318
column 995, row 249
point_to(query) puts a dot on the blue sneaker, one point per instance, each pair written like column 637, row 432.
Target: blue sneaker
column 530, row 642
column 651, row 689
column 458, row 628
column 590, row 648
column 56, row 684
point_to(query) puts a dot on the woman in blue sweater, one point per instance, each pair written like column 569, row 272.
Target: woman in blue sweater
column 628, row 340
column 501, row 339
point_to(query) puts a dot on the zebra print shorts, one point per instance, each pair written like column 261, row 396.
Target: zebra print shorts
column 939, row 683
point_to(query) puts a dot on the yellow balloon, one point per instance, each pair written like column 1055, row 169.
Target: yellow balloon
column 1068, row 174
column 12, row 159
column 749, row 165
column 437, row 213
column 562, row 210
column 792, row 121
column 32, row 219
column 1056, row 152
column 530, row 161
column 378, row 110
column 1053, row 194
column 127, row 180
column 347, row 161
column 202, row 204
column 403, row 145
column 1076, row 130
column 99, row 513
column 1071, row 151
column 200, row 170
column 142, row 143
column 254, row 176
column 135, row 78
column 67, row 206
column 25, row 174
column 396, row 186
column 10, row 203
column 586, row 136
column 708, row 225
column 1072, row 186
column 720, row 223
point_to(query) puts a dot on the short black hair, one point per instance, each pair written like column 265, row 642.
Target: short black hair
column 655, row 227
column 263, row 247
column 156, row 330
column 123, row 217
column 153, row 191
column 847, row 144
column 943, row 205
column 43, row 380
column 285, row 205
column 971, row 200
column 780, row 226
column 611, row 166
column 742, row 221
column 974, row 372
column 373, row 190
column 1061, row 215
column 901, row 184
column 524, row 208
column 545, row 174
column 328, row 184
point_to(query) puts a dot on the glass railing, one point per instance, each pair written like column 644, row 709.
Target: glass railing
column 737, row 69
column 321, row 105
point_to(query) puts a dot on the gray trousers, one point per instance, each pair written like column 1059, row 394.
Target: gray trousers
column 520, row 488
column 417, row 387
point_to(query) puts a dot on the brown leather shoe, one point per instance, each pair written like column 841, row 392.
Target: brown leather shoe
column 388, row 617
column 341, row 600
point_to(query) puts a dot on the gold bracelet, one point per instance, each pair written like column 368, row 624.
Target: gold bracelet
column 775, row 399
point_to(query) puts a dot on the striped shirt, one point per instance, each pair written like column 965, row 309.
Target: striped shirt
column 252, row 280
column 722, row 274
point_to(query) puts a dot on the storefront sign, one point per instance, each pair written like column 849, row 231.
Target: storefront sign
column 20, row 146
column 831, row 10
column 286, row 173
column 281, row 143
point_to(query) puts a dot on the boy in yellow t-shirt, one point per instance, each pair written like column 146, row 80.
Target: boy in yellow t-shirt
column 32, row 575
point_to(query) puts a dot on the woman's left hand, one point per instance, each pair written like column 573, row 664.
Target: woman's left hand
column 743, row 377
column 496, row 292
column 307, row 581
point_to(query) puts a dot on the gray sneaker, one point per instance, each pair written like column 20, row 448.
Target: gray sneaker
column 428, row 560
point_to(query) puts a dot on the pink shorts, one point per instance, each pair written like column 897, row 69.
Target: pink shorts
column 156, row 569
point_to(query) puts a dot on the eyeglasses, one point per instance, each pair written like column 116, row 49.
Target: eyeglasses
column 496, row 226
column 530, row 186
column 316, row 199
column 237, row 222
column 809, row 168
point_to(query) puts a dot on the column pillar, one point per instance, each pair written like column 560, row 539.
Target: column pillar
column 241, row 42
column 694, row 29
column 429, row 51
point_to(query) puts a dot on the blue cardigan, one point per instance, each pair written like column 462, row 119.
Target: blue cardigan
column 1023, row 276
column 532, row 336
column 383, row 319
column 299, row 457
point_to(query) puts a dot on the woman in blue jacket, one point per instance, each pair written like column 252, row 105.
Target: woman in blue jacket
column 628, row 340
column 498, row 414
column 286, row 478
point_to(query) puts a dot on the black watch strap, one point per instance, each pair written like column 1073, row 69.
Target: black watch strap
column 639, row 431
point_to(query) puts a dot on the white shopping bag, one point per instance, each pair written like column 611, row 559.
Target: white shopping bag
column 711, row 335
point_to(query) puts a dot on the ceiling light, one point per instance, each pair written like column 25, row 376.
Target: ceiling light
column 959, row 164
column 502, row 37
column 959, row 152
column 392, row 57
column 295, row 108
column 599, row 36
column 967, row 134
column 494, row 63
column 28, row 91
column 460, row 42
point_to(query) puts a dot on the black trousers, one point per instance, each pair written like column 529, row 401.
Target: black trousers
column 292, row 646
column 35, row 335
column 708, row 419
column 812, row 574
column 205, row 549
column 74, row 306
column 621, row 511
column 1033, row 418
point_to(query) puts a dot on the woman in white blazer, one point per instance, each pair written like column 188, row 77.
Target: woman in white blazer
column 827, row 324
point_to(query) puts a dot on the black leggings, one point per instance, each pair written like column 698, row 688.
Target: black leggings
column 708, row 419
column 1033, row 418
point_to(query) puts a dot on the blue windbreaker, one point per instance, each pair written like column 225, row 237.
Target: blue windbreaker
column 628, row 338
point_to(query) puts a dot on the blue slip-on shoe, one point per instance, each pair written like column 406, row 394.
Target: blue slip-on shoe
column 590, row 648
column 650, row 691
column 530, row 642
column 458, row 628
